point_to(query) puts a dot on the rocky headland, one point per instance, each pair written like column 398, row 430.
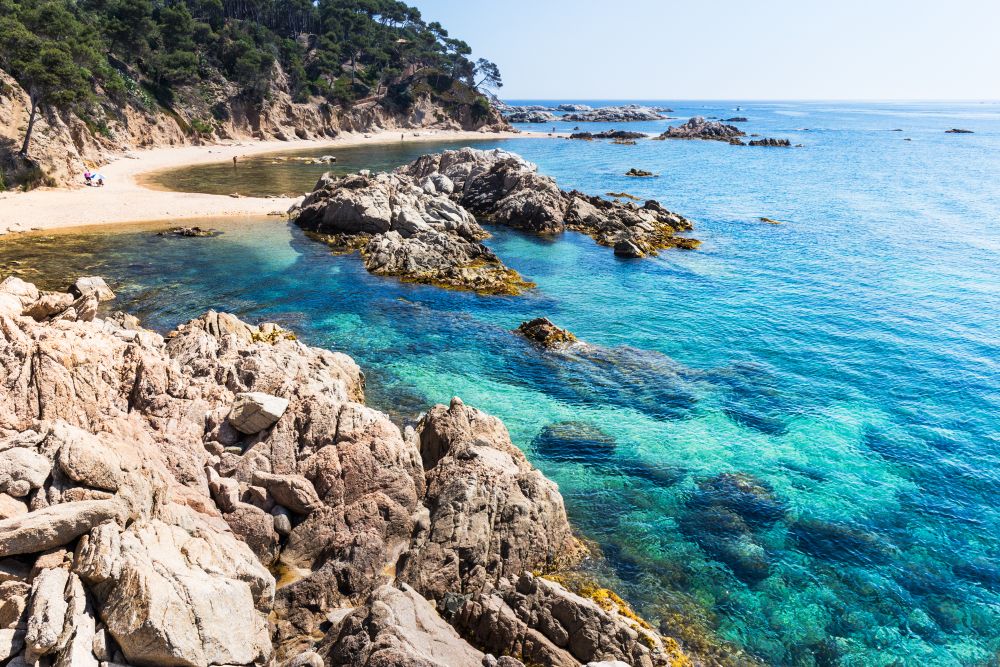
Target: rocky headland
column 419, row 222
column 222, row 496
column 699, row 128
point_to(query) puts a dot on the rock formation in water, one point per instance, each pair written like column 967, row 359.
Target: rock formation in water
column 623, row 114
column 699, row 128
column 407, row 228
column 767, row 141
column 541, row 330
column 956, row 130
column 503, row 188
column 608, row 134
column 530, row 116
column 222, row 496
column 419, row 221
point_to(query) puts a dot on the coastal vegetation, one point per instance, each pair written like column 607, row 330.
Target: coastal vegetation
column 201, row 62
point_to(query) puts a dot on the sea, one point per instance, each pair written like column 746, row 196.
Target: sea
column 782, row 447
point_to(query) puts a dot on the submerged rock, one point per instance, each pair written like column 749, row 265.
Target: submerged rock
column 724, row 515
column 839, row 541
column 956, row 130
column 699, row 128
column 575, row 441
column 737, row 119
column 541, row 330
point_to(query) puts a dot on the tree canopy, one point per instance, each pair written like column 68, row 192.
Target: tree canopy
column 64, row 52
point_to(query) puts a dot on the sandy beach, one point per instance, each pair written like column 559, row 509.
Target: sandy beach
column 125, row 198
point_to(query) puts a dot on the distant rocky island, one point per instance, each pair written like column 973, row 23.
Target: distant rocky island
column 582, row 113
column 713, row 130
column 419, row 222
column 222, row 496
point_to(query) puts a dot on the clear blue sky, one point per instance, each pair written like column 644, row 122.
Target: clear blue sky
column 733, row 49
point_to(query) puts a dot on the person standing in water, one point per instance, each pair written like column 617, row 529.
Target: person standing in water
column 234, row 162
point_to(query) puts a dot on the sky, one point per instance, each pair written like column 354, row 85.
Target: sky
column 733, row 49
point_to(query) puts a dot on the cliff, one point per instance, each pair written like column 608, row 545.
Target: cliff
column 222, row 496
column 64, row 144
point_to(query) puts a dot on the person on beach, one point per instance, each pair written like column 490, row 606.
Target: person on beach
column 234, row 162
column 87, row 176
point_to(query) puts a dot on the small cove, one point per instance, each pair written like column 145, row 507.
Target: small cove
column 789, row 434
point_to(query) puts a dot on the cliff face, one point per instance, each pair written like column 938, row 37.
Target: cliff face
column 65, row 144
column 222, row 496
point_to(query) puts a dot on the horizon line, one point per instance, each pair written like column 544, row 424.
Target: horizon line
column 886, row 100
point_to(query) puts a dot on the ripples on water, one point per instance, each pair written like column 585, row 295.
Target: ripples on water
column 790, row 434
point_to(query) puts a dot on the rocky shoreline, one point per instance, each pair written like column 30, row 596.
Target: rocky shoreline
column 419, row 222
column 222, row 496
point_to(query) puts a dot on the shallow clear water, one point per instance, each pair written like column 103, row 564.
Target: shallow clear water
column 291, row 172
column 846, row 362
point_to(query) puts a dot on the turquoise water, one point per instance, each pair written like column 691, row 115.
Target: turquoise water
column 843, row 368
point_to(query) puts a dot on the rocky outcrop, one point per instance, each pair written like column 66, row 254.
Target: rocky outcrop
column 574, row 107
column 145, row 521
column 491, row 513
column 547, row 624
column 541, row 330
column 533, row 116
column 957, row 130
column 767, row 141
column 622, row 114
column 608, row 134
column 407, row 227
column 502, row 188
column 699, row 128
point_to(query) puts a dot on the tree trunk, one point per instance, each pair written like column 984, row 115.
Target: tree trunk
column 31, row 126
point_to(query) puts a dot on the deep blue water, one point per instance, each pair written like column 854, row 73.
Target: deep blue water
column 790, row 434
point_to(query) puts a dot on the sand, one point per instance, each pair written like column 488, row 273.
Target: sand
column 124, row 198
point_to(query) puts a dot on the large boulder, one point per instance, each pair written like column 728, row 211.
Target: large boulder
column 254, row 411
column 396, row 626
column 545, row 623
column 492, row 514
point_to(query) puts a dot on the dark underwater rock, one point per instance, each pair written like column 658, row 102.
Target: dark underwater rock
column 737, row 119
column 575, row 441
column 839, row 542
column 723, row 516
column 752, row 397
column 956, row 130
column 753, row 500
column 982, row 571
